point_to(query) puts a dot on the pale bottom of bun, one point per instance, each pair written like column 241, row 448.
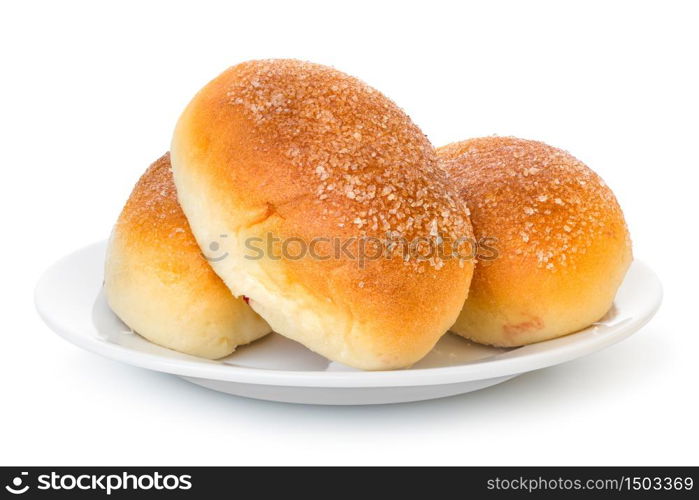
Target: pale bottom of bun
column 178, row 315
column 300, row 315
column 339, row 332
column 484, row 327
column 538, row 315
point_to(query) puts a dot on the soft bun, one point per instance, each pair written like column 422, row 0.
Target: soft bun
column 295, row 152
column 563, row 246
column 160, row 285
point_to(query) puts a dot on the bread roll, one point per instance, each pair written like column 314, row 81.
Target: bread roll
column 293, row 153
column 159, row 283
column 562, row 243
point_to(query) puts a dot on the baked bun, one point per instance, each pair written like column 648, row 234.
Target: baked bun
column 159, row 283
column 282, row 161
column 562, row 244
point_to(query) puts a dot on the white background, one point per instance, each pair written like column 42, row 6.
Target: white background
column 89, row 95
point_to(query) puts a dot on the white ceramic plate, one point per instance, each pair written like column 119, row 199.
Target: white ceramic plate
column 69, row 298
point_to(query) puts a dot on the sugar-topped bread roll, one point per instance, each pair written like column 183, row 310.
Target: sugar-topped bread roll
column 159, row 283
column 283, row 153
column 562, row 244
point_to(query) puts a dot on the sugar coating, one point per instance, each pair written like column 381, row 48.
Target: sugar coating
column 371, row 170
column 152, row 211
column 539, row 201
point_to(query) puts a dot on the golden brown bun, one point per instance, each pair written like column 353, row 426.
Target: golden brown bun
column 561, row 237
column 160, row 285
column 298, row 150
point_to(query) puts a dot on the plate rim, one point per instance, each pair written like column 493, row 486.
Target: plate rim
column 496, row 366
